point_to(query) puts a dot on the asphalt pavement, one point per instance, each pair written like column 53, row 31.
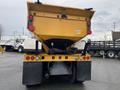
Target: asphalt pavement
column 105, row 75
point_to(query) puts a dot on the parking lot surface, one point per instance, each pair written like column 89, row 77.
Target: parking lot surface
column 105, row 75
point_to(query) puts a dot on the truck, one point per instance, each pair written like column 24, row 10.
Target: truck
column 27, row 45
column 109, row 49
column 57, row 28
column 8, row 44
column 20, row 45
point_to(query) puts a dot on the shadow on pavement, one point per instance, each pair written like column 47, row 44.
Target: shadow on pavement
column 57, row 83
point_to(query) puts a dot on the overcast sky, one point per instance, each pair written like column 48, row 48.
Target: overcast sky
column 13, row 14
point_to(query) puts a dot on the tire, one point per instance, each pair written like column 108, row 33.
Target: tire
column 111, row 54
column 20, row 49
column 118, row 55
column 102, row 52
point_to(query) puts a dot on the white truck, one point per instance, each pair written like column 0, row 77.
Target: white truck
column 27, row 45
column 21, row 45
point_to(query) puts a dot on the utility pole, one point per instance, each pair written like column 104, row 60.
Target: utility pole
column 38, row 1
column 114, row 26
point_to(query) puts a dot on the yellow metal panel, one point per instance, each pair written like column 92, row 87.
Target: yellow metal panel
column 59, row 9
column 47, row 26
column 54, row 15
column 56, row 27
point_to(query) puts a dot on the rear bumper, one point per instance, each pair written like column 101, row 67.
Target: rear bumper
column 56, row 58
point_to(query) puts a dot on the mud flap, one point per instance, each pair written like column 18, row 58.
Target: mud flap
column 32, row 73
column 83, row 71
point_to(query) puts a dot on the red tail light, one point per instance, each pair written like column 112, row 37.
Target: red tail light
column 87, row 57
column 89, row 32
column 30, row 23
column 30, row 17
column 84, row 57
column 32, row 58
column 31, row 28
column 27, row 57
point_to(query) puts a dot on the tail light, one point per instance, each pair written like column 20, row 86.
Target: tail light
column 30, row 17
column 89, row 32
column 30, row 23
column 32, row 58
column 87, row 57
column 31, row 28
column 84, row 57
column 27, row 57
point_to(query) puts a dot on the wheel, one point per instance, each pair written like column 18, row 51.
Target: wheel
column 20, row 49
column 119, row 55
column 102, row 52
column 111, row 54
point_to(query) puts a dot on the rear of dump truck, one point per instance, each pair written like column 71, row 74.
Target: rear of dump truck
column 58, row 28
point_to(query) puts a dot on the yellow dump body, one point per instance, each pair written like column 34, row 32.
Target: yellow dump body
column 59, row 23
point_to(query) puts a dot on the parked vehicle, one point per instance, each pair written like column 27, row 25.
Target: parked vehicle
column 8, row 44
column 21, row 45
column 108, row 48
column 27, row 45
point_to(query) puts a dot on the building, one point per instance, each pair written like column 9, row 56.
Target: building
column 115, row 35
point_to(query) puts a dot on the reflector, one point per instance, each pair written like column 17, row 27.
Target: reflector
column 30, row 17
column 27, row 58
column 31, row 28
column 32, row 57
column 89, row 32
column 87, row 57
column 84, row 57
